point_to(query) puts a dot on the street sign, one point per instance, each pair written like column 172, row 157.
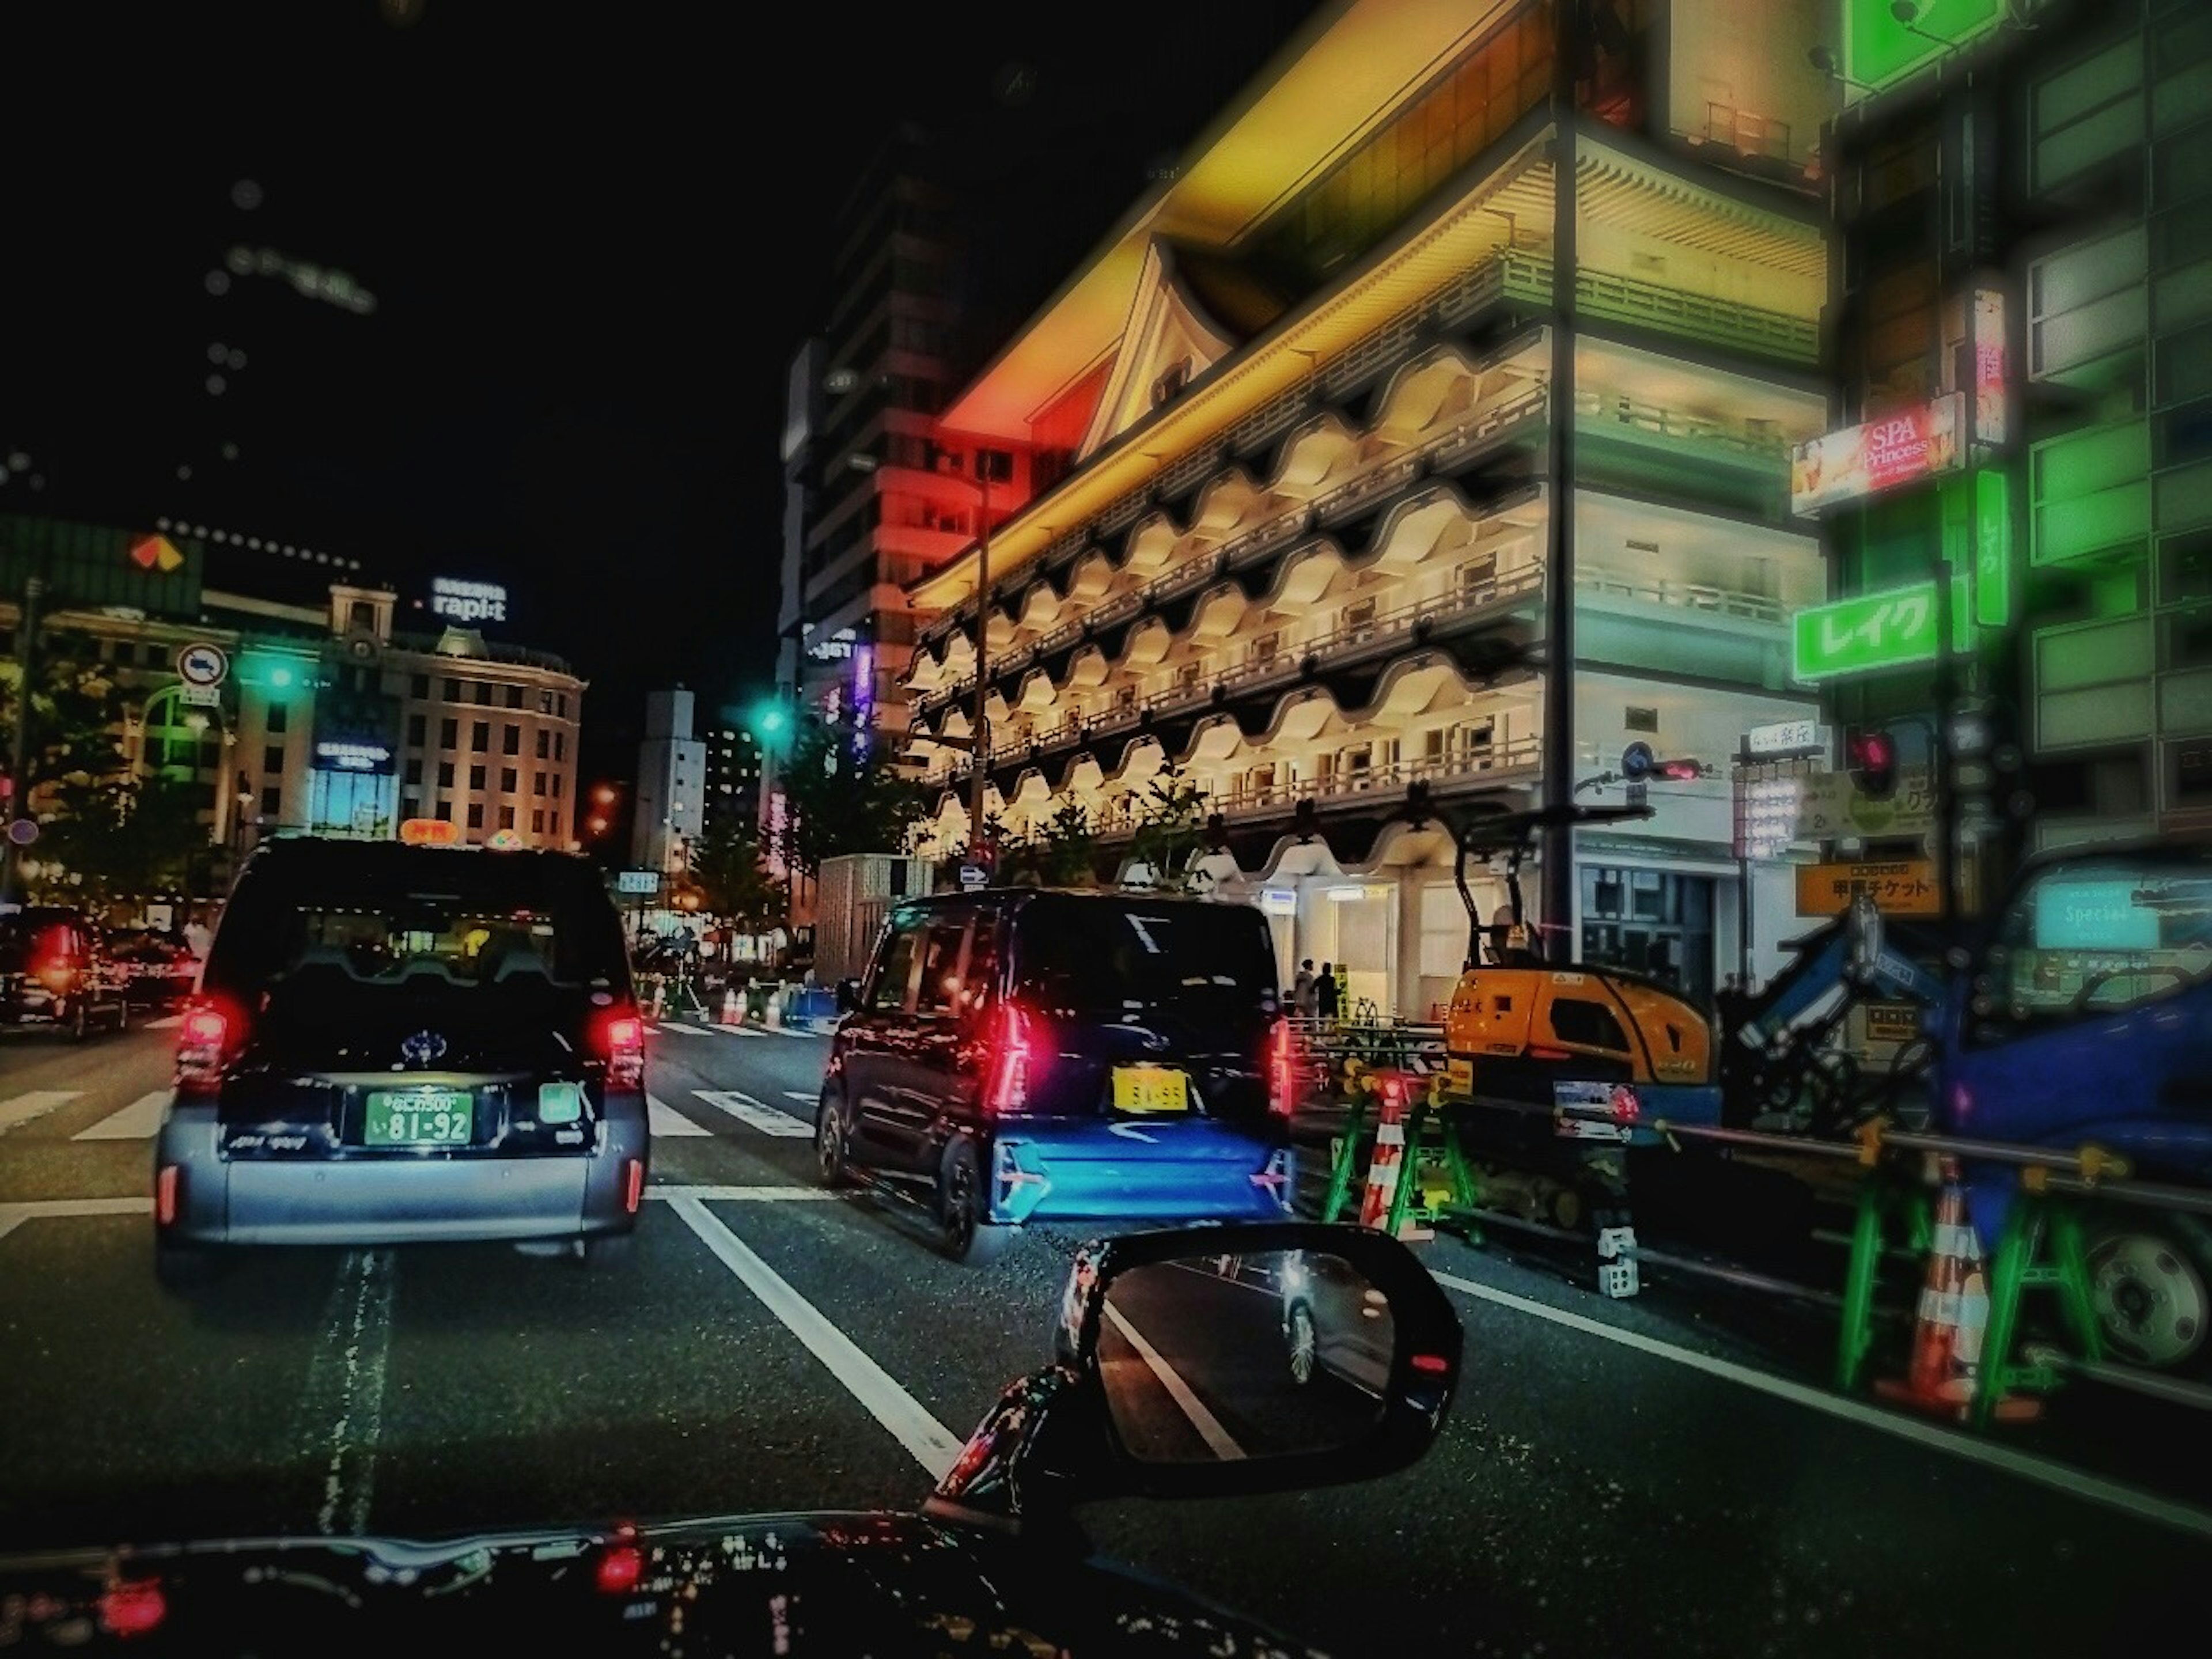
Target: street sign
column 1860, row 636
column 637, row 881
column 1830, row 807
column 973, row 876
column 1899, row 887
column 199, row 696
column 202, row 664
column 1783, row 738
column 23, row 831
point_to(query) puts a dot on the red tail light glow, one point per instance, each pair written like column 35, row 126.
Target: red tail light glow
column 1434, row 1364
column 133, row 1606
column 167, row 1185
column 622, row 1044
column 620, row 1565
column 1006, row 1086
column 204, row 1041
column 1282, row 1070
column 634, row 1186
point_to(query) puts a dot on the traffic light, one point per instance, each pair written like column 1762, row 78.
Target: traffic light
column 1871, row 759
column 1639, row 764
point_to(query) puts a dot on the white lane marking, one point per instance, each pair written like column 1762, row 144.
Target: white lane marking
column 167, row 1023
column 21, row 1108
column 2042, row 1471
column 13, row 1216
column 736, row 1030
column 755, row 1114
column 748, row 1194
column 803, row 1097
column 932, row 1446
column 343, row 1401
column 671, row 1029
column 662, row 1119
column 1219, row 1440
column 140, row 1121
column 649, row 1028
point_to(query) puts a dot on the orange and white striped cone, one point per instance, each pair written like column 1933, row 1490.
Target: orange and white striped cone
column 1954, row 1310
column 1390, row 1156
column 731, row 1014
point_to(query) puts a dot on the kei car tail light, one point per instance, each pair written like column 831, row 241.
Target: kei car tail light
column 622, row 1045
column 168, row 1194
column 133, row 1606
column 1012, row 1053
column 1282, row 1070
column 206, row 1039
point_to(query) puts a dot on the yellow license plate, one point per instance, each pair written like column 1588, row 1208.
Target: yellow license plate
column 1149, row 1089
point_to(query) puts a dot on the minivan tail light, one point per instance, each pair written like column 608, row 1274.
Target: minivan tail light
column 1282, row 1070
column 207, row 1036
column 622, row 1045
column 1013, row 1035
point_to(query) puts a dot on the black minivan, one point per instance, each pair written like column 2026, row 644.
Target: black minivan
column 406, row 1044
column 1025, row 1053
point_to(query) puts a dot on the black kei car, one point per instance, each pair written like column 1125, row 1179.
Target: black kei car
column 398, row 1044
column 1023, row 1055
column 1166, row 1383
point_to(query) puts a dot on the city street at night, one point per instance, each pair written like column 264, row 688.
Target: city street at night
column 1664, row 1475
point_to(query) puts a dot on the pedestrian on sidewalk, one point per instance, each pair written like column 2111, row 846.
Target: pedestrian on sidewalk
column 1302, row 991
column 1326, row 993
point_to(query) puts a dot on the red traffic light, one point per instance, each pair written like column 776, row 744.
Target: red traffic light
column 1871, row 759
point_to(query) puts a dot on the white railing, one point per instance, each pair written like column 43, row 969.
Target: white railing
column 1686, row 595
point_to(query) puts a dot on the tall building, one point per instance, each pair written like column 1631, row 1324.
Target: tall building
column 1416, row 448
column 731, row 798
column 671, row 785
column 2024, row 339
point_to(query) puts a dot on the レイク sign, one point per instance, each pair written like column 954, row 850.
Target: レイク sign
column 1875, row 630
column 1865, row 460
column 468, row 601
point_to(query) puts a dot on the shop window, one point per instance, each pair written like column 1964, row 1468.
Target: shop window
column 278, row 717
column 475, row 815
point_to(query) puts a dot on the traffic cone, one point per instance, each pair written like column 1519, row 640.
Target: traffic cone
column 772, row 1010
column 660, row 998
column 731, row 1014
column 1954, row 1310
column 1388, row 1158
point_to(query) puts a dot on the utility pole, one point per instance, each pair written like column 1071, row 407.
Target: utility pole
column 1557, row 841
column 19, row 756
column 979, row 758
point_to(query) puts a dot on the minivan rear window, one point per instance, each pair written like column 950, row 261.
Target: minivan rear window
column 1118, row 953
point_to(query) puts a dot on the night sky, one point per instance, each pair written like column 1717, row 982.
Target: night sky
column 593, row 237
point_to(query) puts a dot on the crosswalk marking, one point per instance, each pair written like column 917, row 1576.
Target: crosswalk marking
column 140, row 1121
column 756, row 1114
column 736, row 1030
column 671, row 1029
column 167, row 1023
column 21, row 1108
column 662, row 1119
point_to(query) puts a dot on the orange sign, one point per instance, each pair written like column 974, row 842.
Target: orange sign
column 429, row 832
column 1899, row 887
column 155, row 553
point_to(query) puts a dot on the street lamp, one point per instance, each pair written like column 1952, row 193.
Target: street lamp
column 979, row 744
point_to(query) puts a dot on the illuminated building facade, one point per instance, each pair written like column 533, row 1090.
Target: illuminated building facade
column 1416, row 448
column 2024, row 194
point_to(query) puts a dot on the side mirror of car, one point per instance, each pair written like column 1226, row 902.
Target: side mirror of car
column 1213, row 1360
column 848, row 996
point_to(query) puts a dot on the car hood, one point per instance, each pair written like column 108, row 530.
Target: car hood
column 824, row 1583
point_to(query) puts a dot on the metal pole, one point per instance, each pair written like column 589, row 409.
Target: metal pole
column 980, row 756
column 1559, row 838
column 19, row 758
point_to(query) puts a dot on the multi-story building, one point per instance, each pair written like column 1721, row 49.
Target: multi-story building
column 733, row 774
column 672, row 785
column 2024, row 195
column 329, row 718
column 1417, row 447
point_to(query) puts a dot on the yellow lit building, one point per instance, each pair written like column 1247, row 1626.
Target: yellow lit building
column 1416, row 448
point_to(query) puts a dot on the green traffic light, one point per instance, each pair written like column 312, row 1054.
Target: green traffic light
column 771, row 720
column 280, row 677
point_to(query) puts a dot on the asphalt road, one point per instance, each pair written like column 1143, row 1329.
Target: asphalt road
column 1663, row 1475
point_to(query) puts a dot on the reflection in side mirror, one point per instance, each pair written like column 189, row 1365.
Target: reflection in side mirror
column 1223, row 1358
column 848, row 996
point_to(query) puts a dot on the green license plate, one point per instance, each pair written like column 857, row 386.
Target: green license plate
column 426, row 1117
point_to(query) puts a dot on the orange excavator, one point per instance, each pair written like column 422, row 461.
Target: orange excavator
column 1519, row 1024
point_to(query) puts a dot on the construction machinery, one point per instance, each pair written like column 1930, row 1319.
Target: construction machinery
column 1520, row 1026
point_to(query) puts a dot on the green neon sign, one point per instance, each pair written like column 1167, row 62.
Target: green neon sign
column 1993, row 549
column 1873, row 631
